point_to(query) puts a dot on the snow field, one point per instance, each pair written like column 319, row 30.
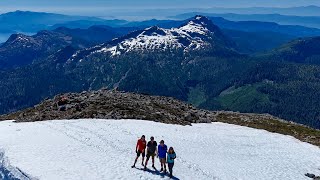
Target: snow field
column 105, row 149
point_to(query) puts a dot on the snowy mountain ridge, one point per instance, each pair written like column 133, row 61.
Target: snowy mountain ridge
column 198, row 33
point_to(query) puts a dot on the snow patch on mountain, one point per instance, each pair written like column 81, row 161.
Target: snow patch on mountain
column 22, row 38
column 194, row 28
column 105, row 149
column 19, row 39
column 159, row 38
column 193, row 35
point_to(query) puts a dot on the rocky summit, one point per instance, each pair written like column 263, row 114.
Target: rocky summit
column 111, row 104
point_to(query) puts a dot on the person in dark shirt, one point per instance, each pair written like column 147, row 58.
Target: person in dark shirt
column 140, row 149
column 151, row 152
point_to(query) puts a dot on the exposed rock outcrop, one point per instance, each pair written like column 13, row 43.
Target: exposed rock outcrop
column 314, row 177
column 111, row 104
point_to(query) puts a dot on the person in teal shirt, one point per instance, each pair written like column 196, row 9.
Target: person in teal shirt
column 170, row 159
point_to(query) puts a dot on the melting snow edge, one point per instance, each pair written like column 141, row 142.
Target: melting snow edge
column 8, row 172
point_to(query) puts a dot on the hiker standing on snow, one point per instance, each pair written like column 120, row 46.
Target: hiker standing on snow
column 151, row 151
column 162, row 152
column 140, row 149
column 170, row 159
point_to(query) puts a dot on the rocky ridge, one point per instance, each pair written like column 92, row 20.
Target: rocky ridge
column 111, row 104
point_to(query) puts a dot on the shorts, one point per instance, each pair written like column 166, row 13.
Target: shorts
column 143, row 153
column 150, row 154
column 163, row 160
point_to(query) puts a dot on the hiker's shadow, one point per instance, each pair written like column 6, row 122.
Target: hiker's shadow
column 156, row 172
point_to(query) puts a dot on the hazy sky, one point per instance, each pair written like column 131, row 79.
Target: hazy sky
column 130, row 9
column 5, row 4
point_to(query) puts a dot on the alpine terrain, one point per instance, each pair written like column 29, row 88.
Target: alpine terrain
column 162, row 90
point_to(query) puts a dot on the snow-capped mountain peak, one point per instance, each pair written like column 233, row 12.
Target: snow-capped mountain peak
column 21, row 38
column 201, row 20
column 198, row 33
column 200, row 24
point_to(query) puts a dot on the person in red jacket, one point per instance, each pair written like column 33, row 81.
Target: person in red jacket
column 140, row 149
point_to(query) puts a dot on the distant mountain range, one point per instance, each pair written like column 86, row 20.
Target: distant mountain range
column 26, row 21
column 307, row 21
column 164, row 13
column 195, row 61
column 32, row 22
column 248, row 36
column 292, row 11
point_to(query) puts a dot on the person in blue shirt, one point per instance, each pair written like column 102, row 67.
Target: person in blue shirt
column 170, row 159
column 162, row 152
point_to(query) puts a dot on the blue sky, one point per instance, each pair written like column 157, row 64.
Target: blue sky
column 153, row 3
